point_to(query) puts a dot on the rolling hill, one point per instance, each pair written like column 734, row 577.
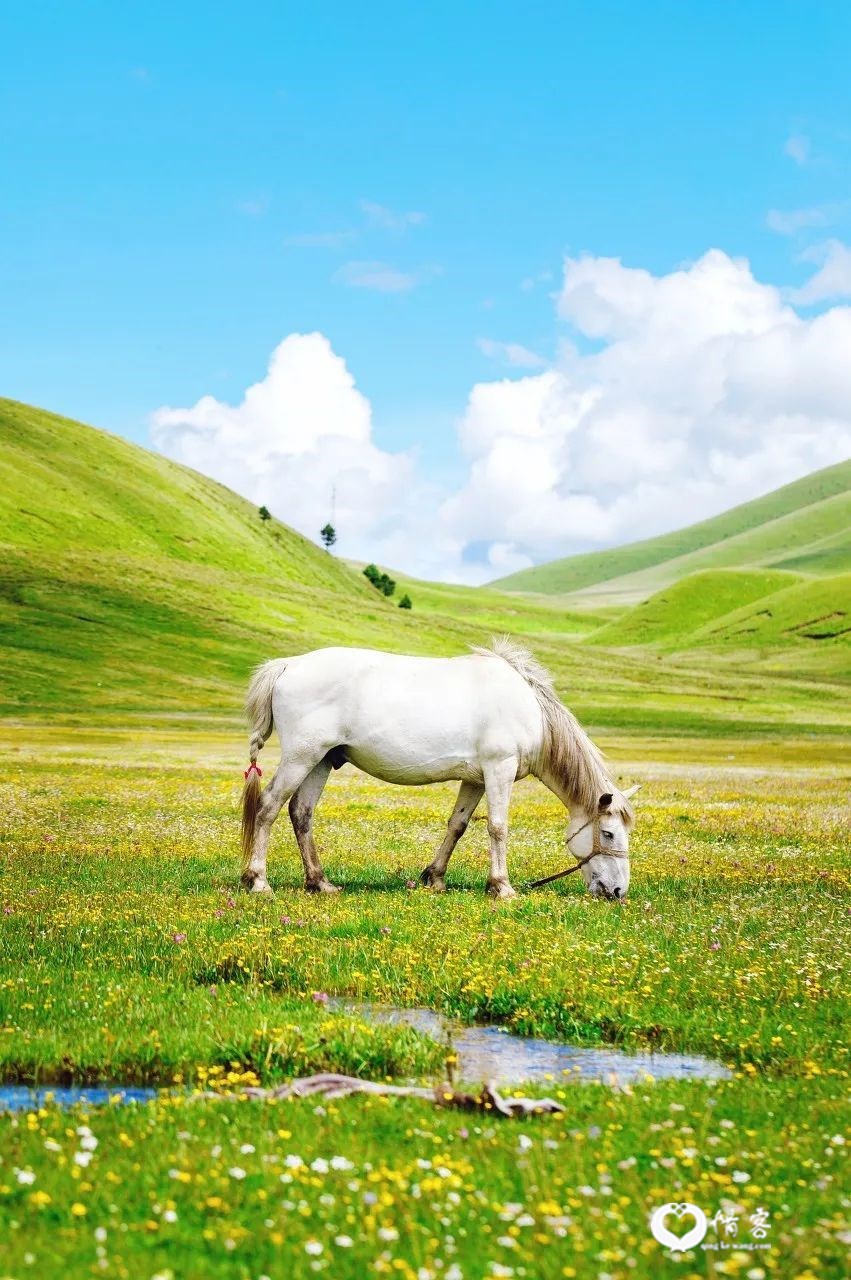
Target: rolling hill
column 804, row 526
column 133, row 590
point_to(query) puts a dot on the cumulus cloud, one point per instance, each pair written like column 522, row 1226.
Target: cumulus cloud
column 302, row 430
column 673, row 397
column 833, row 278
column 692, row 391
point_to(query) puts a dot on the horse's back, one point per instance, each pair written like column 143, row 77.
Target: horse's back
column 408, row 718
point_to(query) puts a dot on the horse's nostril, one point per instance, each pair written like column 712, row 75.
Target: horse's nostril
column 616, row 893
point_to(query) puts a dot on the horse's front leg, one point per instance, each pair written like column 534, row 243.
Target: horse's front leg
column 468, row 797
column 499, row 779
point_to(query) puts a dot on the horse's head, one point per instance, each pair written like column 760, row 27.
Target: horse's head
column 600, row 843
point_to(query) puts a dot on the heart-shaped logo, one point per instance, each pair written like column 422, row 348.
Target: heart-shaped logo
column 678, row 1210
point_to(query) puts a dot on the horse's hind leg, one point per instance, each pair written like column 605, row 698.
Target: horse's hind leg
column 302, row 806
column 288, row 778
column 468, row 797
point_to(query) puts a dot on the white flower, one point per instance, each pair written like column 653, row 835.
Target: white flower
column 388, row 1233
column 340, row 1162
column 88, row 1142
column 319, row 1165
column 524, row 1142
column 82, row 1158
column 314, row 1248
column 739, row 1176
column 26, row 1177
column 293, row 1162
column 343, row 1242
column 100, row 1234
column 246, row 1149
column 236, row 1172
column 454, row 1273
column 50, row 1145
column 497, row 1269
column 83, row 1131
column 526, row 1220
column 507, row 1242
column 215, row 1151
column 837, row 1140
column 169, row 1216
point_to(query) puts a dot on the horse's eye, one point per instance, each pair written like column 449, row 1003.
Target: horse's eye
column 609, row 835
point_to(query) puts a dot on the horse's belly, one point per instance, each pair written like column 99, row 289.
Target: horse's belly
column 410, row 771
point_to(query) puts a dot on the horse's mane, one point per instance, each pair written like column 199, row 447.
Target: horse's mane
column 567, row 753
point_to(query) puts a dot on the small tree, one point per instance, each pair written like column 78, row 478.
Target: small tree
column 406, row 602
column 381, row 581
column 265, row 514
column 328, row 534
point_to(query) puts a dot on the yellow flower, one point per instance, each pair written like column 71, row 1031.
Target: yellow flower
column 78, row 1210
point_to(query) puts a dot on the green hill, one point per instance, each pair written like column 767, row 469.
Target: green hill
column 804, row 525
column 135, row 590
column 673, row 615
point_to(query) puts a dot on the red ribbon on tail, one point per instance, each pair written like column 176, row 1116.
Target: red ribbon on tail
column 255, row 767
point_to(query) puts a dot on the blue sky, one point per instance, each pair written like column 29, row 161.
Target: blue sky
column 184, row 186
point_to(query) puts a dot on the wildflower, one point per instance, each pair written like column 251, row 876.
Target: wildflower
column 26, row 1177
column 246, row 1149
column 343, row 1242
column 340, row 1162
column 388, row 1233
column 100, row 1234
column 715, row 946
column 237, row 1173
column 739, row 1176
column 319, row 1165
column 319, row 997
column 82, row 1158
column 293, row 1162
column 179, row 937
column 88, row 1142
column 39, row 1199
column 314, row 1248
column 524, row 1142
column 78, row 1210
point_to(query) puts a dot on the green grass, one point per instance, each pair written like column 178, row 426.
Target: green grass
column 808, row 518
column 135, row 596
column 128, row 955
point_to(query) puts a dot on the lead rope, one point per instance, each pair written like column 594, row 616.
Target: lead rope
column 596, row 850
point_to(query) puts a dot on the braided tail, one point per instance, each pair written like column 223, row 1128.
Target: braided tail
column 258, row 709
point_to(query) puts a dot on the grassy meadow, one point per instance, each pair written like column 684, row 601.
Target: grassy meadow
column 135, row 597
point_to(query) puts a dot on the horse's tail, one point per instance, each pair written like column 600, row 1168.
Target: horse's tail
column 258, row 710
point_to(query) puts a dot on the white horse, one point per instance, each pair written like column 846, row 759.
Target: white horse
column 484, row 719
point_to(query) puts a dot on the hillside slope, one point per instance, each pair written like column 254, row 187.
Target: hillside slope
column 821, row 542
column 134, row 590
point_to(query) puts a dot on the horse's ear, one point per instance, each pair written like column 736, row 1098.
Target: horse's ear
column 605, row 800
column 630, row 791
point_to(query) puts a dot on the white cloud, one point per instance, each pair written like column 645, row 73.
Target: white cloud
column 382, row 276
column 378, row 215
column 797, row 147
column 512, row 353
column 678, row 396
column 833, row 278
column 320, row 239
column 303, row 429
column 701, row 389
column 791, row 221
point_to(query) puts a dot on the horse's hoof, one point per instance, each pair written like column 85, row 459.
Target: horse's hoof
column 501, row 889
column 323, row 886
column 262, row 886
column 433, row 881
